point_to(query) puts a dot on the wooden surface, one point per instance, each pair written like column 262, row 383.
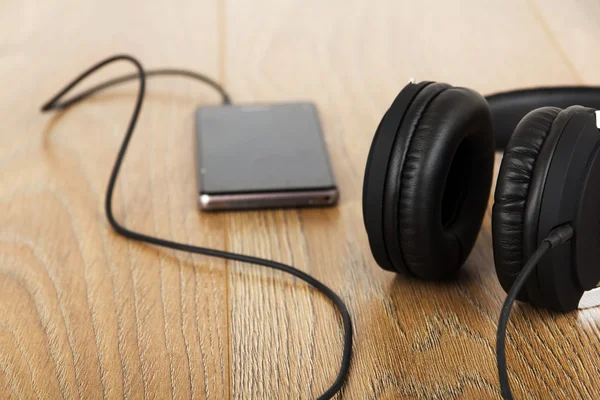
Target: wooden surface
column 86, row 313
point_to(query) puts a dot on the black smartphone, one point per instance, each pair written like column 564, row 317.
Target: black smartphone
column 262, row 156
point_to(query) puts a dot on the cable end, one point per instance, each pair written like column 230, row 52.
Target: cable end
column 559, row 235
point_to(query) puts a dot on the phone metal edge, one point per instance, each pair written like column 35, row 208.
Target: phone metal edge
column 249, row 201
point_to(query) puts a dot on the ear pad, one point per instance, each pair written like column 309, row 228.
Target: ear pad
column 393, row 173
column 516, row 191
column 439, row 180
column 376, row 171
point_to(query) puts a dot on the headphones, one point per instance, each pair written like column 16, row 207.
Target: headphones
column 429, row 174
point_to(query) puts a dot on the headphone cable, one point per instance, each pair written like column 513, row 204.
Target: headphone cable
column 559, row 235
column 55, row 104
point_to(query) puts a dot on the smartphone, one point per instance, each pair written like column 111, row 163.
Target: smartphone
column 262, row 156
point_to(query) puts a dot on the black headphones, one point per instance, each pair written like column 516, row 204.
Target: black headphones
column 429, row 174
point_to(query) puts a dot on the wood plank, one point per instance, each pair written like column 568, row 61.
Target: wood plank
column 85, row 312
column 574, row 29
column 413, row 339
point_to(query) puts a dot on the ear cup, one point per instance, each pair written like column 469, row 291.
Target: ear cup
column 439, row 180
column 518, row 191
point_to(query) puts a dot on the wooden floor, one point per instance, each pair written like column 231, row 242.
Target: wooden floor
column 86, row 313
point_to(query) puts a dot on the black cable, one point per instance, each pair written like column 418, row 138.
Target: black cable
column 53, row 104
column 559, row 235
column 153, row 72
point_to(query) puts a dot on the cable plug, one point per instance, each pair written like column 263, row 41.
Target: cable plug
column 559, row 235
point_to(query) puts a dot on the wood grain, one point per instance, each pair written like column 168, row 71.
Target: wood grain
column 86, row 313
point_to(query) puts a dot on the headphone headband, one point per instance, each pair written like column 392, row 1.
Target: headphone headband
column 508, row 108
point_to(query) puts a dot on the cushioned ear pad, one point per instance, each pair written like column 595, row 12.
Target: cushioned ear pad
column 399, row 147
column 513, row 190
column 376, row 171
column 434, row 209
